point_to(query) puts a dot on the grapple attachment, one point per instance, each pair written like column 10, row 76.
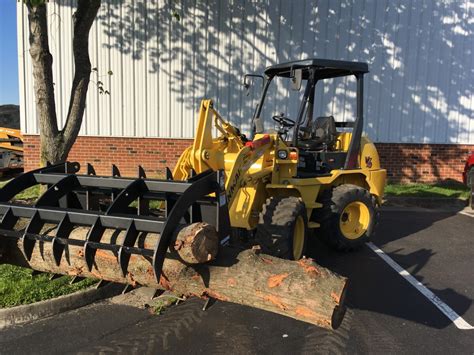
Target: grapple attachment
column 133, row 206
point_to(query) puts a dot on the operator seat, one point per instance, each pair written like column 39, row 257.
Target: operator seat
column 322, row 132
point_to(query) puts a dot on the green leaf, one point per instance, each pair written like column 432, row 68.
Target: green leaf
column 110, row 72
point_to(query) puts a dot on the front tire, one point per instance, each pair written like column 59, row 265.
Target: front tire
column 283, row 228
column 348, row 217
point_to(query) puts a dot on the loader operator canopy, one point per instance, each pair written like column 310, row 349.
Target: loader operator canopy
column 299, row 123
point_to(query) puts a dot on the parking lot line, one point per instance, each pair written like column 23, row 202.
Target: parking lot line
column 467, row 213
column 458, row 321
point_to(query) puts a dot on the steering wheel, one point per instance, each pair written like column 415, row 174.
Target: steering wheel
column 283, row 121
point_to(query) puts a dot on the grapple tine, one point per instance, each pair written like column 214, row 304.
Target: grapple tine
column 94, row 235
column 64, row 229
column 33, row 228
column 127, row 289
column 143, row 204
column 76, row 279
column 115, row 171
column 55, row 276
column 133, row 191
column 129, row 241
column 90, row 169
column 101, row 284
column 8, row 220
column 141, row 172
column 157, row 293
column 169, row 174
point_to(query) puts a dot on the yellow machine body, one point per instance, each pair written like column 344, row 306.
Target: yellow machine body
column 254, row 171
column 11, row 139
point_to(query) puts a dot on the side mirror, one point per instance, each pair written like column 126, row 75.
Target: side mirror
column 248, row 83
column 296, row 78
column 246, row 86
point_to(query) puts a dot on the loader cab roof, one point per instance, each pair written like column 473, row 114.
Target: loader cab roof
column 326, row 68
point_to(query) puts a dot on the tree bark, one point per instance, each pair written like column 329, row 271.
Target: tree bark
column 42, row 62
column 299, row 289
column 55, row 143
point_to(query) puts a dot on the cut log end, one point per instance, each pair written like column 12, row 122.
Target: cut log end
column 197, row 243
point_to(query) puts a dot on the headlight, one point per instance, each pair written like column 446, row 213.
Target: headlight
column 282, row 154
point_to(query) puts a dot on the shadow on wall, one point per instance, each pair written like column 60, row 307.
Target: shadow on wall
column 418, row 54
column 423, row 163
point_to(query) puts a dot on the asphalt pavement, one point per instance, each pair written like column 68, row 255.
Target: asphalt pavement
column 386, row 314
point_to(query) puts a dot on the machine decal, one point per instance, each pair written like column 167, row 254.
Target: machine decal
column 368, row 162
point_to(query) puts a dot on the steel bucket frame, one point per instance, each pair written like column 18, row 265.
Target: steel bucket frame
column 72, row 200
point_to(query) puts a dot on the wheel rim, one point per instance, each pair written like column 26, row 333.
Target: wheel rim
column 354, row 220
column 298, row 238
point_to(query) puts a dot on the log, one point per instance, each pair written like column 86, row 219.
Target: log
column 298, row 289
column 197, row 243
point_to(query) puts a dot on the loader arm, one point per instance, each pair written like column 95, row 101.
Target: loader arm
column 207, row 152
column 246, row 164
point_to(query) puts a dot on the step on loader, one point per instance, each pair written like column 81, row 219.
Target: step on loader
column 311, row 177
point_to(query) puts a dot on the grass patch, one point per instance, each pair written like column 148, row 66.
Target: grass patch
column 18, row 286
column 451, row 190
column 31, row 193
column 160, row 305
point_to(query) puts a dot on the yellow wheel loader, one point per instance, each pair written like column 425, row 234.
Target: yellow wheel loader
column 310, row 177
column 323, row 182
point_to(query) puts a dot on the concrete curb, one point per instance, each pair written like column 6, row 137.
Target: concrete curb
column 425, row 202
column 30, row 312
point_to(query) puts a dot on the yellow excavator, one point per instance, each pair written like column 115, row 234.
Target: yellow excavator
column 311, row 177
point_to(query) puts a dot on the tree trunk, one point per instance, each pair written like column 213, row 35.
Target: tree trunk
column 42, row 62
column 56, row 144
column 299, row 289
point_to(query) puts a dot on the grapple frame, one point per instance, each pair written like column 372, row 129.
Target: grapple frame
column 72, row 200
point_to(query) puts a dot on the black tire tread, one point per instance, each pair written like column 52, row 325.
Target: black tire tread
column 328, row 216
column 275, row 225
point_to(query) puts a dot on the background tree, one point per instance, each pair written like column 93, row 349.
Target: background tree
column 55, row 142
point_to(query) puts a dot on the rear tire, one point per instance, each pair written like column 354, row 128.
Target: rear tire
column 283, row 228
column 348, row 217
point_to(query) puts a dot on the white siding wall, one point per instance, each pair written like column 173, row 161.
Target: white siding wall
column 420, row 55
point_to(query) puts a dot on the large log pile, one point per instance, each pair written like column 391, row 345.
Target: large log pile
column 299, row 289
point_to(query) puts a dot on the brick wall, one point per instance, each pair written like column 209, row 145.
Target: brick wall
column 423, row 162
column 154, row 154
column 404, row 162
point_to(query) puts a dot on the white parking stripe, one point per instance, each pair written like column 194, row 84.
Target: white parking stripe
column 458, row 321
column 470, row 214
